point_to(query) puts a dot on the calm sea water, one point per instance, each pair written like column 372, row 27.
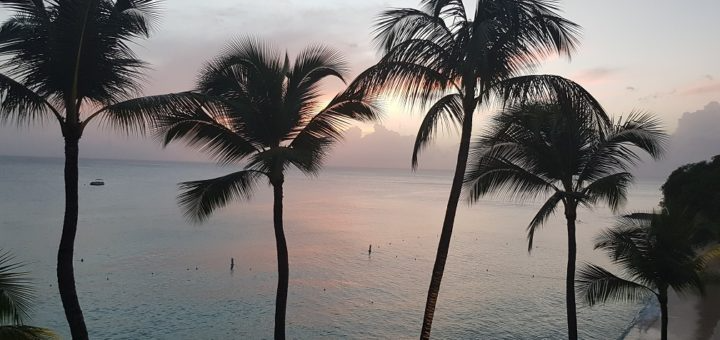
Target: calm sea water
column 146, row 273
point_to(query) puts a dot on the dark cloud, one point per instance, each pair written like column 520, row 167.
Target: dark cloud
column 697, row 138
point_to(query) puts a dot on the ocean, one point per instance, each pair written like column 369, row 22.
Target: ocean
column 144, row 272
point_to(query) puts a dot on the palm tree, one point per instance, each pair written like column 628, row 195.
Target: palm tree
column 16, row 295
column 567, row 152
column 259, row 109
column 455, row 63
column 71, row 61
column 656, row 252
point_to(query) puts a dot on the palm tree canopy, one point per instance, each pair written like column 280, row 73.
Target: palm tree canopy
column 56, row 56
column 551, row 149
column 440, row 45
column 16, row 295
column 442, row 57
column 257, row 108
column 23, row 332
column 653, row 251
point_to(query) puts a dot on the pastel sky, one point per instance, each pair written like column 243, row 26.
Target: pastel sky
column 661, row 56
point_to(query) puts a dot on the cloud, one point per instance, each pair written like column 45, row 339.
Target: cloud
column 657, row 95
column 702, row 89
column 384, row 148
column 595, row 75
column 631, row 88
column 697, row 138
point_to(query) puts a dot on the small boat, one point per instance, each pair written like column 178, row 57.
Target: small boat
column 97, row 182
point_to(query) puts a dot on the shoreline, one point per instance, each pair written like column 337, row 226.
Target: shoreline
column 691, row 317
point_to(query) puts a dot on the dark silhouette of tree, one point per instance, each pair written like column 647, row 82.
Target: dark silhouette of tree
column 259, row 110
column 566, row 151
column 656, row 253
column 71, row 61
column 454, row 63
column 694, row 190
column 16, row 295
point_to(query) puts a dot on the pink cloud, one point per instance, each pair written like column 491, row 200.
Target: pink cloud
column 702, row 89
column 595, row 75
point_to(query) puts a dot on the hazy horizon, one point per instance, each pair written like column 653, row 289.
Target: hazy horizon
column 622, row 63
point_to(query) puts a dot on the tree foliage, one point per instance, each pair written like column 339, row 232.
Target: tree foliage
column 16, row 296
column 694, row 190
column 566, row 152
column 254, row 108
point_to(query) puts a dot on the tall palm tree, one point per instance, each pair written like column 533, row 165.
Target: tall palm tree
column 261, row 111
column 16, row 295
column 454, row 63
column 71, row 61
column 566, row 152
column 656, row 252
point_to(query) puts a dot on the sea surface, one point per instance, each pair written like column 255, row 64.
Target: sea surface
column 144, row 272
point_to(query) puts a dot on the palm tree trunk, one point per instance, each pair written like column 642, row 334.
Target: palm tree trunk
column 282, row 258
column 449, row 221
column 65, row 272
column 571, row 216
column 663, row 298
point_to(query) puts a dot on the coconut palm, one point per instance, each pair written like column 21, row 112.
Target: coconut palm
column 261, row 111
column 70, row 61
column 656, row 252
column 454, row 63
column 16, row 295
column 566, row 152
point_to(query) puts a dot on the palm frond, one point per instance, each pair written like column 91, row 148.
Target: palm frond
column 21, row 332
column 707, row 256
column 567, row 94
column 445, row 8
column 22, row 104
column 76, row 54
column 611, row 189
column 199, row 199
column 546, row 210
column 412, row 84
column 136, row 16
column 513, row 38
column 326, row 127
column 396, row 26
column 140, row 114
column 493, row 174
column 449, row 111
column 655, row 250
column 626, row 241
column 597, row 285
column 641, row 130
column 308, row 160
column 617, row 151
column 16, row 291
column 209, row 128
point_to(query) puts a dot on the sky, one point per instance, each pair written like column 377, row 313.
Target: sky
column 659, row 56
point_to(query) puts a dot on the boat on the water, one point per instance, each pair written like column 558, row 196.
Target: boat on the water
column 97, row 182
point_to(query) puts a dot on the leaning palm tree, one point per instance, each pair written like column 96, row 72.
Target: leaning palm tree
column 656, row 252
column 259, row 110
column 71, row 61
column 16, row 295
column 565, row 152
column 454, row 63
